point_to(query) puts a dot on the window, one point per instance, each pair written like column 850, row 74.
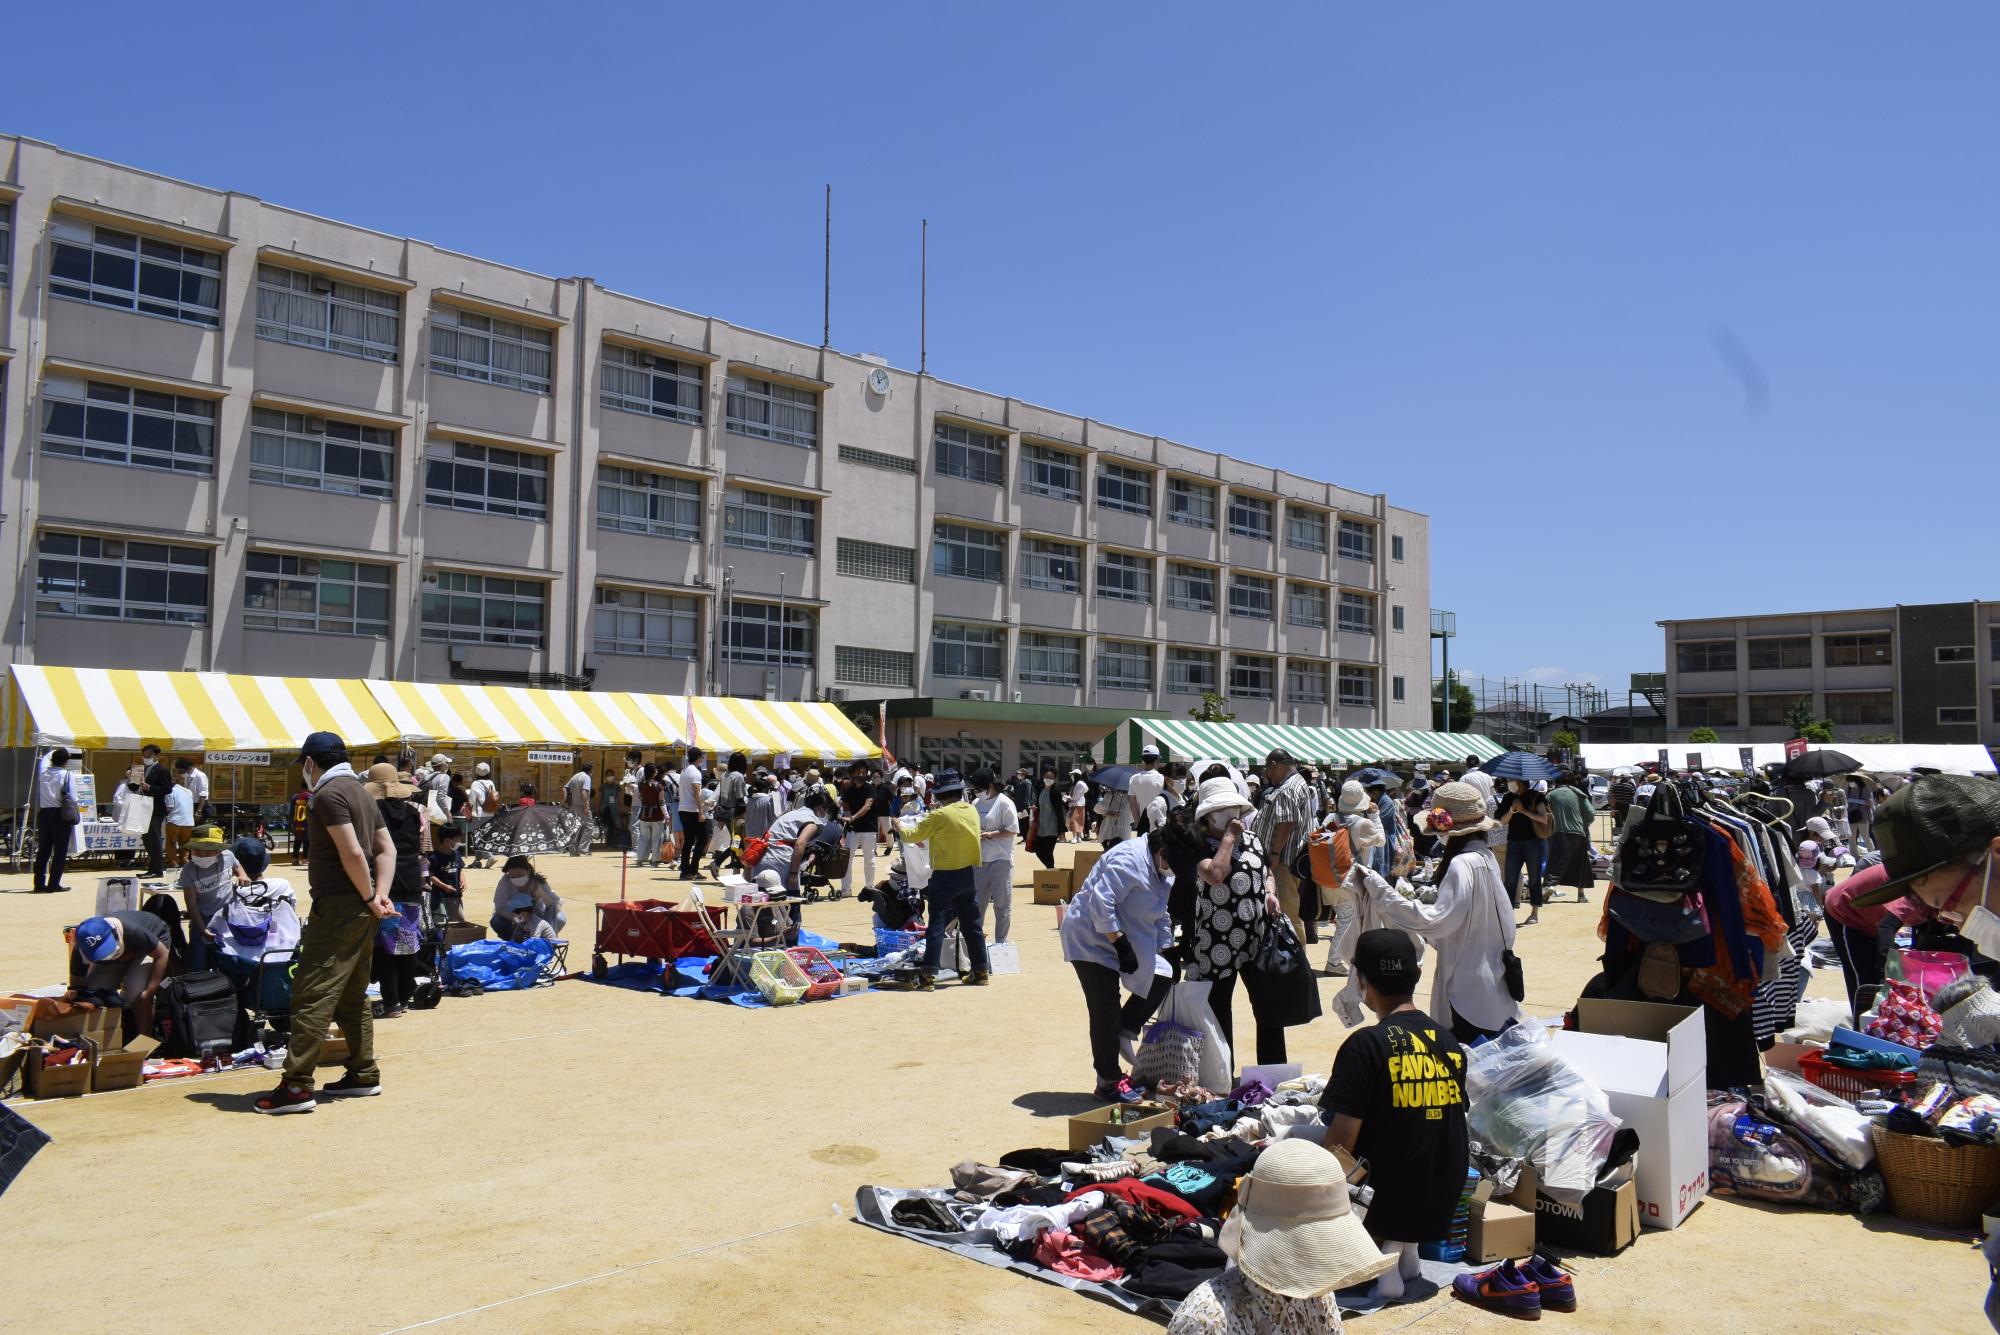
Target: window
column 1060, row 756
column 500, row 352
column 1859, row 650
column 1954, row 653
column 888, row 463
column 632, row 500
column 769, row 521
column 771, row 411
column 1251, row 597
column 1993, row 644
column 321, row 454
column 1122, row 488
column 1873, row 708
column 1050, row 660
column 1958, row 714
column 1055, row 566
column 484, row 609
column 1768, row 711
column 1190, row 502
column 1305, row 529
column 115, row 424
column 306, row 593
column 644, row 624
column 1054, row 473
column 1305, row 683
column 1124, row 665
column 6, row 239
column 135, row 273
column 1250, row 516
column 458, row 476
column 972, row 652
column 1357, row 686
column 976, row 456
column 1706, row 711
column 315, row 311
column 1305, row 604
column 753, row 633
column 1395, row 688
column 1396, row 617
column 1190, row 671
column 873, row 667
column 1706, row 656
column 1784, row 651
column 969, row 553
column 1357, row 613
column 1357, row 540
column 1396, row 548
column 1252, row 676
column 1192, row 587
column 935, row 755
column 119, row 580
column 633, row 381
column 1123, row 577
column 875, row 560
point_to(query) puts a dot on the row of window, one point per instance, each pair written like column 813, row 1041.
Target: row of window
column 1863, row 649
column 1866, row 708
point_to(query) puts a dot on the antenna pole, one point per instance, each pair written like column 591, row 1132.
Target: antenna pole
column 923, row 299
column 826, row 274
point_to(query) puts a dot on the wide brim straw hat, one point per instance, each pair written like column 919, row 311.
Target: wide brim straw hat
column 1294, row 1230
column 383, row 781
column 1218, row 794
column 1464, row 812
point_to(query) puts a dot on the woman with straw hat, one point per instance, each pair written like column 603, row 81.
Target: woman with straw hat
column 1293, row 1239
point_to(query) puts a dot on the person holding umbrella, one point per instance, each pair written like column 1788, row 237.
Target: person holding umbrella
column 1529, row 823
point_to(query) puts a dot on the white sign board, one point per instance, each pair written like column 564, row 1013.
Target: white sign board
column 551, row 757
column 258, row 758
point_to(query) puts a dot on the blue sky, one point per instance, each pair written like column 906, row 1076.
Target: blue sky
column 1658, row 311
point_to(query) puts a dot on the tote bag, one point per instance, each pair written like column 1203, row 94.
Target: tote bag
column 138, row 813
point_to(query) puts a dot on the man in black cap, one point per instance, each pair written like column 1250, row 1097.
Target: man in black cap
column 1396, row 1098
column 351, row 863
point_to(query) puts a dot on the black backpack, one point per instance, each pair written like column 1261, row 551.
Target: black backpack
column 198, row 1015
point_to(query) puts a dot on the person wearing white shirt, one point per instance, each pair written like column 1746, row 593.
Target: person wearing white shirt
column 694, row 825
column 54, row 785
column 1079, row 802
column 993, row 878
column 576, row 795
column 482, row 800
column 197, row 786
column 1146, row 785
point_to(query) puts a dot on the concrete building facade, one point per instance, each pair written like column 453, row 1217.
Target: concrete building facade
column 1927, row 673
column 238, row 437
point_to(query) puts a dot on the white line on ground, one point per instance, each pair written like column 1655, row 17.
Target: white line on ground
column 613, row 1273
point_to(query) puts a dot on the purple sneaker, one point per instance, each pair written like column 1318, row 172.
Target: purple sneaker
column 1122, row 1092
column 1555, row 1286
column 1503, row 1289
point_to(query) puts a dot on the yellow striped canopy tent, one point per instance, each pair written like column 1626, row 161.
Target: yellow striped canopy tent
column 121, row 709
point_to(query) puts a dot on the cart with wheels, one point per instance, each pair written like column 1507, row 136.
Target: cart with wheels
column 654, row 929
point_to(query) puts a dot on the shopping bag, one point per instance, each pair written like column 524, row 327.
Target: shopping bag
column 917, row 865
column 138, row 813
column 1283, row 990
column 117, row 894
column 1188, row 1005
column 1902, row 1015
column 1929, row 970
column 1169, row 1053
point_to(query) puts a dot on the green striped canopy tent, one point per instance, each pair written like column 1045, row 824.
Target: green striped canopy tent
column 1249, row 743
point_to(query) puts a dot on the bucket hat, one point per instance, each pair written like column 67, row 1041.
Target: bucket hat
column 383, row 781
column 1218, row 795
column 206, row 839
column 1294, row 1230
column 1928, row 824
column 1456, row 810
column 948, row 781
column 1354, row 799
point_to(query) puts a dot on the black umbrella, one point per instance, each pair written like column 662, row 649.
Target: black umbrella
column 1821, row 764
column 526, row 831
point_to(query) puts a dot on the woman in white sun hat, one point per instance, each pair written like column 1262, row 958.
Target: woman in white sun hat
column 1293, row 1239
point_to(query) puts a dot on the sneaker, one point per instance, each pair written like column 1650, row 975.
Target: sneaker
column 1556, row 1286
column 927, row 983
column 1122, row 1092
column 1503, row 1289
column 285, row 1099
column 1335, row 969
column 351, row 1087
column 977, row 978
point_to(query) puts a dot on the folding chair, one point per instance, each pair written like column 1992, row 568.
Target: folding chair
column 725, row 941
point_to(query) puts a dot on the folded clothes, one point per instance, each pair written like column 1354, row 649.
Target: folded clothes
column 1174, row 1269
column 1066, row 1254
column 1042, row 1162
column 983, row 1181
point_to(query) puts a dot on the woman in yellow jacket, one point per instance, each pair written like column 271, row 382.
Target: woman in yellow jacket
column 951, row 829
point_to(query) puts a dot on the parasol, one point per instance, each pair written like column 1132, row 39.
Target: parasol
column 526, row 831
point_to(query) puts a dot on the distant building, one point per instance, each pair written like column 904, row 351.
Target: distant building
column 1921, row 673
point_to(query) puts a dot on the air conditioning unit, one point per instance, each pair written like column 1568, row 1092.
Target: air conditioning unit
column 975, row 695
column 836, row 695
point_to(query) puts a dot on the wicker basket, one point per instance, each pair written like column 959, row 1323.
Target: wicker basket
column 781, row 981
column 1932, row 1182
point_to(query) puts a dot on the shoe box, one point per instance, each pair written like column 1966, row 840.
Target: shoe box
column 1604, row 1222
column 1496, row 1229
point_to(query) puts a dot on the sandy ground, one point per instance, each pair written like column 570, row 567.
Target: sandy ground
column 581, row 1158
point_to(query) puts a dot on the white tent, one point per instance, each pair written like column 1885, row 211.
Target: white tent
column 1952, row 759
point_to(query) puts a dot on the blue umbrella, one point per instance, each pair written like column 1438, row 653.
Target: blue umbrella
column 1375, row 774
column 1118, row 778
column 1520, row 765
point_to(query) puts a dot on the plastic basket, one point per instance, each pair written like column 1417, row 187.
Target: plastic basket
column 1933, row 1182
column 820, row 971
column 1849, row 1083
column 888, row 942
column 781, row 981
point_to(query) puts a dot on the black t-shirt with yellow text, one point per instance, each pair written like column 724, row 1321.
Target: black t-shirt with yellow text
column 1404, row 1078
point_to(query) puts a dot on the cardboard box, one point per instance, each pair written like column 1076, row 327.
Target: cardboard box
column 1052, row 887
column 121, row 1068
column 1138, row 1119
column 1496, row 1230
column 1651, row 1061
column 55, row 1082
column 463, row 933
column 103, row 1025
column 1086, row 858
column 1605, row 1221
column 334, row 1050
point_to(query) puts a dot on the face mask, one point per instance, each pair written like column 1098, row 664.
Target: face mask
column 519, row 879
column 1176, row 786
column 1218, row 821
column 205, row 860
column 1516, row 786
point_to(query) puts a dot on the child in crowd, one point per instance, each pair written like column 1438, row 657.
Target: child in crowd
column 446, row 880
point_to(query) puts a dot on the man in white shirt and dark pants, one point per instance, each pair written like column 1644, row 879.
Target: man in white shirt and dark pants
column 999, row 831
column 576, row 795
column 694, row 826
column 53, row 785
column 1146, row 785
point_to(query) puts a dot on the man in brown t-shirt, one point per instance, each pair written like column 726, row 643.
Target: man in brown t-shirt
column 350, row 864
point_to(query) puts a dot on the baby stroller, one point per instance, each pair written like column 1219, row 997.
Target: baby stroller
column 825, row 867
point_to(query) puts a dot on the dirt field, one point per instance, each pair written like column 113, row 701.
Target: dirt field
column 582, row 1158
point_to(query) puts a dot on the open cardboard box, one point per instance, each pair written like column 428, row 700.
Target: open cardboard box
column 120, row 1068
column 1138, row 1119
column 55, row 1082
column 100, row 1024
column 1496, row 1230
column 1651, row 1061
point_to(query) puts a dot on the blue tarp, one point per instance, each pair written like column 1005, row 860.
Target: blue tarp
column 686, row 980
column 497, row 966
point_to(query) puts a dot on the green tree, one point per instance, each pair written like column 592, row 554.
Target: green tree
column 1799, row 718
column 1703, row 735
column 1821, row 731
column 1462, row 705
column 1565, row 741
column 1877, row 739
column 1214, row 708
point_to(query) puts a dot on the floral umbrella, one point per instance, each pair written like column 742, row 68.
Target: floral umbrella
column 526, row 831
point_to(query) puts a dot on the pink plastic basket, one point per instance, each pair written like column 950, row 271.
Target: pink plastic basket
column 819, row 971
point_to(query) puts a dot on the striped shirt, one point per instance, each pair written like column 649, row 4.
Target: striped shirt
column 1290, row 804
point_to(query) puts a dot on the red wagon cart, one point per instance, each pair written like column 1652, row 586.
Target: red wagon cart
column 655, row 929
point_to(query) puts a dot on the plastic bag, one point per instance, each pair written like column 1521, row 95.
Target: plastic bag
column 1528, row 1103
column 1840, row 1128
column 1169, row 1053
column 917, row 865
column 1750, row 1154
